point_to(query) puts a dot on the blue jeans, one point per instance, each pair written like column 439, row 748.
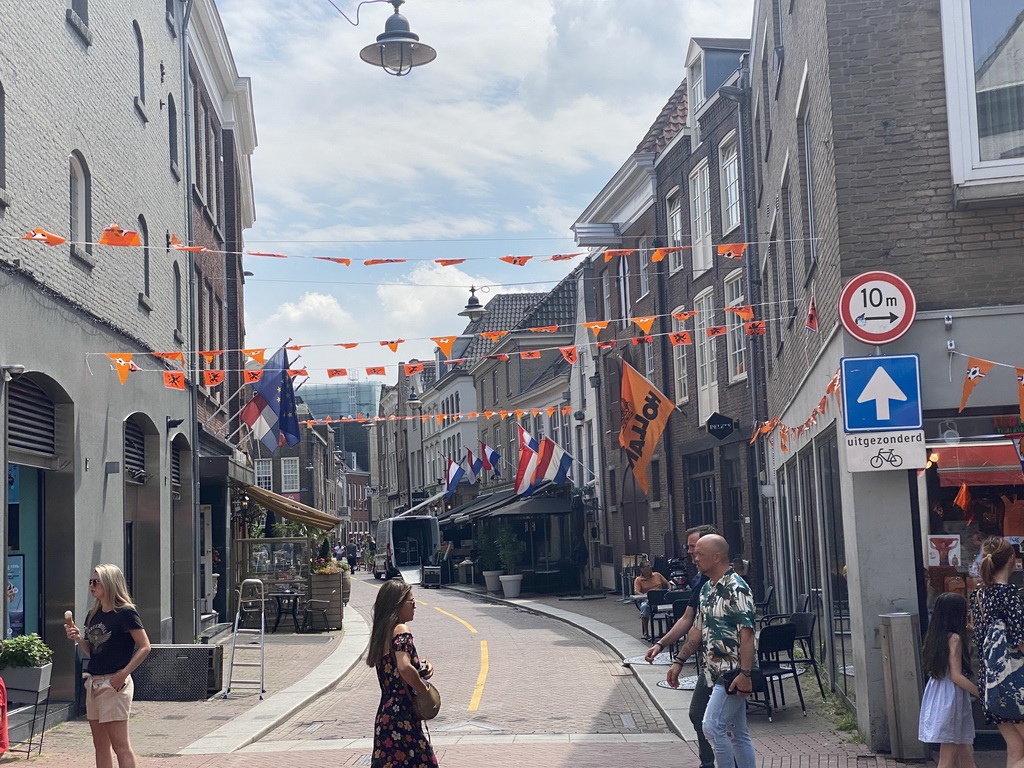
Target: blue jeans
column 725, row 725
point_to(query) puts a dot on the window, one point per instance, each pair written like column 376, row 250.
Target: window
column 984, row 94
column 609, row 310
column 679, row 368
column 80, row 204
column 648, row 358
column 265, row 474
column 172, row 134
column 646, row 243
column 177, row 297
column 701, row 504
column 707, row 360
column 787, row 245
column 3, row 146
column 807, row 177
column 199, row 163
column 290, row 475
column 140, row 98
column 81, row 9
column 144, row 236
column 729, row 162
column 625, row 302
column 736, row 337
column 674, row 204
column 696, row 84
column 700, row 214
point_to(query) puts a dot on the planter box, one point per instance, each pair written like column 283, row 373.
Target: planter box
column 25, row 685
column 179, row 672
column 329, row 587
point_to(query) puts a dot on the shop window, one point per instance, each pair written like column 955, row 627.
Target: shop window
column 290, row 475
column 265, row 474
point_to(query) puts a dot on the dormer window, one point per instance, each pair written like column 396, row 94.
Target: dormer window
column 696, row 76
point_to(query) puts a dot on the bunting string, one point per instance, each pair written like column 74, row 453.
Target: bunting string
column 787, row 431
column 440, row 418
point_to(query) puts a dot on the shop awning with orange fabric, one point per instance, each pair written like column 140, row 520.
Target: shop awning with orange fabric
column 988, row 463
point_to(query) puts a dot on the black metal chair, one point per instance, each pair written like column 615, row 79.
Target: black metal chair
column 803, row 604
column 804, row 623
column 776, row 654
column 762, row 606
column 656, row 598
column 678, row 609
column 315, row 608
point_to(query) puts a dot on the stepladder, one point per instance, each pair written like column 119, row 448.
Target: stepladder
column 247, row 640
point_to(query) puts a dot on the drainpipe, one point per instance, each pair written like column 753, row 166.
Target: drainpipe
column 666, row 376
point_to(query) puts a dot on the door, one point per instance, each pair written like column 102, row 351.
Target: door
column 634, row 517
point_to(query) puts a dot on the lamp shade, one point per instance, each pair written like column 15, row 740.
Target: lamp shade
column 398, row 49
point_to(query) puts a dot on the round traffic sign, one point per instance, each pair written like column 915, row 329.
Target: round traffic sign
column 877, row 307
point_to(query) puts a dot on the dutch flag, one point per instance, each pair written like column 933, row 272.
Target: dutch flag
column 553, row 463
column 490, row 459
column 474, row 467
column 527, row 469
column 454, row 474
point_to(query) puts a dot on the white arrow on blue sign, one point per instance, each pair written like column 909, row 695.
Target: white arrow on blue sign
column 881, row 393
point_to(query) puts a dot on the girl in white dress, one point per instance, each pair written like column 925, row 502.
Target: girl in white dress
column 946, row 717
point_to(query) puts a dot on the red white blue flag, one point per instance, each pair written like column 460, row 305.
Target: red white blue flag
column 527, row 468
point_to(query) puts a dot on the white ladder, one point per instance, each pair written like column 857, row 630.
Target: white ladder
column 250, row 600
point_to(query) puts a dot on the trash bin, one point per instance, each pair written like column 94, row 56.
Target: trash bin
column 466, row 571
column 901, row 662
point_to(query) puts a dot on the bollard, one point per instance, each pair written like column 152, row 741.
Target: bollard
column 901, row 662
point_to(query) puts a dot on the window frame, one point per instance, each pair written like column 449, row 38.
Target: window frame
column 80, row 203
column 706, row 349
column 267, row 475
column 625, row 299
column 287, row 474
column 146, row 256
column 674, row 217
column 645, row 252
column 3, row 143
column 680, row 365
column 730, row 185
column 700, row 217
column 736, row 336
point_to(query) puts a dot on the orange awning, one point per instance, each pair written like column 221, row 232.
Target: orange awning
column 978, row 464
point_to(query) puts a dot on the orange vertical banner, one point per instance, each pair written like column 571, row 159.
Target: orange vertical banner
column 645, row 412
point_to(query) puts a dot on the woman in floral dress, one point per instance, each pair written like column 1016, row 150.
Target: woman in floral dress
column 398, row 739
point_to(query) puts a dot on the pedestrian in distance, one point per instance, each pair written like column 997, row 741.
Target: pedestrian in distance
column 724, row 631
column 116, row 644
column 997, row 615
column 398, row 738
column 946, row 716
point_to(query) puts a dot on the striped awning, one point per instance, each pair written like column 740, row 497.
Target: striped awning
column 293, row 510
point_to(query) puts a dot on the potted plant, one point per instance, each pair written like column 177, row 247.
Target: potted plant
column 328, row 580
column 25, row 665
column 490, row 563
column 509, row 549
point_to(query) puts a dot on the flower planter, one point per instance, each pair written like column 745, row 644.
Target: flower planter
column 329, row 587
column 491, row 580
column 512, row 585
column 25, row 683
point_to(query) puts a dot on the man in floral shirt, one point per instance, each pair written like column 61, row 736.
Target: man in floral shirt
column 725, row 631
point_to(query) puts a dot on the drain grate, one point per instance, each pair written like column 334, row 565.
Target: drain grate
column 627, row 721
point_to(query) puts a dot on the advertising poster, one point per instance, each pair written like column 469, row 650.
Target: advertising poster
column 944, row 550
column 16, row 595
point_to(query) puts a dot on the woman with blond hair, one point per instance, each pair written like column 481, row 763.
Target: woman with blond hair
column 998, row 617
column 398, row 739
column 115, row 643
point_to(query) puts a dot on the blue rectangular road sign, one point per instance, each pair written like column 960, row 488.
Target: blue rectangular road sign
column 881, row 393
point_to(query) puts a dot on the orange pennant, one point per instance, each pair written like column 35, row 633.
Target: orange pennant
column 177, row 245
column 444, row 343
column 531, row 354
column 566, row 409
column 411, row 369
column 597, row 326
column 449, row 262
column 535, row 411
column 680, row 337
column 551, row 411
column 333, row 373
column 963, row 497
column 515, row 261
column 171, row 356
column 42, row 236
column 212, row 354
column 519, row 413
column 347, row 346
column 660, row 253
column 123, row 361
column 755, row 328
column 682, row 317
column 606, row 344
column 611, row 254
column 392, row 345
column 374, row 262
column 732, row 250
column 376, row 371
column 746, row 312
column 570, row 354
column 493, row 335
column 1020, row 391
column 496, row 357
column 545, row 329
column 822, row 404
column 488, row 414
column 645, row 323
column 298, row 347
column 637, row 340
column 335, row 259
column 213, row 378
column 784, row 438
column 503, row 414
column 114, row 235
column 456, row 361
column 251, row 377
column 563, row 257
column 440, row 418
column 267, row 255
column 716, row 330
column 174, row 379
column 257, row 355
column 977, row 370
column 293, row 372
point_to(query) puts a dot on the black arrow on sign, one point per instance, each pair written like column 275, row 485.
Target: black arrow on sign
column 864, row 318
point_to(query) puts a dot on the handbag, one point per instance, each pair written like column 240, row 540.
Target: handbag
column 1004, row 672
column 426, row 705
column 757, row 681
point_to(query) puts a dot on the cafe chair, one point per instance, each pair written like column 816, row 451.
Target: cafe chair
column 313, row 609
column 762, row 606
column 804, row 623
column 776, row 655
column 678, row 609
column 656, row 598
column 803, row 604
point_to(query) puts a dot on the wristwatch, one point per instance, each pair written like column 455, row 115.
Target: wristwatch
column 745, row 671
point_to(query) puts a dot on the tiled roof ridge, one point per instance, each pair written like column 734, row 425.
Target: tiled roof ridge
column 670, row 121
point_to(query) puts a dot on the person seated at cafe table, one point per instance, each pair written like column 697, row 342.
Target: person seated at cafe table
column 647, row 580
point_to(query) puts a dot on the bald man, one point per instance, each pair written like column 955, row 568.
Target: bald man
column 725, row 631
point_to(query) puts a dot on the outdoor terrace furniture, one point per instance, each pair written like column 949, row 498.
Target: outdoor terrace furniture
column 287, row 604
column 804, row 623
column 802, row 605
column 313, row 609
column 776, row 655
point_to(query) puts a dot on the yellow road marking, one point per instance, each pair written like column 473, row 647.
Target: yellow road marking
column 478, row 692
column 466, row 624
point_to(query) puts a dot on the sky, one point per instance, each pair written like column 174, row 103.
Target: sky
column 493, row 149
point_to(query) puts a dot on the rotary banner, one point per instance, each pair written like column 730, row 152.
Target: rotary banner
column 645, row 413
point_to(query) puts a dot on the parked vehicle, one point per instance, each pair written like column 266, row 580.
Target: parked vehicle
column 404, row 545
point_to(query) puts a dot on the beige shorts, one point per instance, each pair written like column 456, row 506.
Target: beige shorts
column 103, row 703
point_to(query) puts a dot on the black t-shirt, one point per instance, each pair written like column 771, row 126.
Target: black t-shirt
column 110, row 642
column 695, row 586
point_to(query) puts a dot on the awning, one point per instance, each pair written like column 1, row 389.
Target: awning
column 475, row 508
column 989, row 463
column 422, row 504
column 538, row 507
column 293, row 510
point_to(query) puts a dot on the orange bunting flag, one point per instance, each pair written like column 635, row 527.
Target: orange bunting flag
column 114, row 235
column 503, row 414
column 392, row 345
column 519, row 413
column 637, row 340
column 1020, row 391
column 42, row 236
column 444, row 343
column 171, row 356
column 609, row 255
column 449, row 262
column 213, row 378
column 963, row 497
column 124, row 365
column 746, row 313
column 644, row 323
column 174, row 379
column 811, row 323
column 535, row 411
column 822, row 404
column 597, row 326
column 551, row 411
column 563, row 257
column 440, row 418
column 293, row 372
column 267, row 255
column 976, row 371
column 530, row 354
column 257, row 355
column 335, row 259
column 515, row 261
column 833, row 384
column 494, row 335
column 716, row 330
column 784, row 438
column 566, row 409
column 682, row 317
column 755, row 328
column 347, row 346
column 545, row 329
column 455, row 362
column 177, row 245
column 660, row 253
column 333, row 373
column 757, row 433
column 212, row 354
column 570, row 354
column 645, row 412
column 495, row 357
column 411, row 369
column 732, row 250
column 298, row 347
column 680, row 337
column 607, row 344
column 251, row 377
column 488, row 414
column 376, row 371
column 375, row 262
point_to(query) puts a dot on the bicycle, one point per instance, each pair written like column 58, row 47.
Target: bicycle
column 887, row 455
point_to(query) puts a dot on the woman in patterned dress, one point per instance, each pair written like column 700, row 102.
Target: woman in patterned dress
column 398, row 740
column 999, row 600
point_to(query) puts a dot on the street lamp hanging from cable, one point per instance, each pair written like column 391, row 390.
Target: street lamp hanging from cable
column 398, row 49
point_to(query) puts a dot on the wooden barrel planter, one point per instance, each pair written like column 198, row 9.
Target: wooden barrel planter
column 329, row 587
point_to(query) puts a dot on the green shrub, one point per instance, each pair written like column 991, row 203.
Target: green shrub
column 25, row 651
